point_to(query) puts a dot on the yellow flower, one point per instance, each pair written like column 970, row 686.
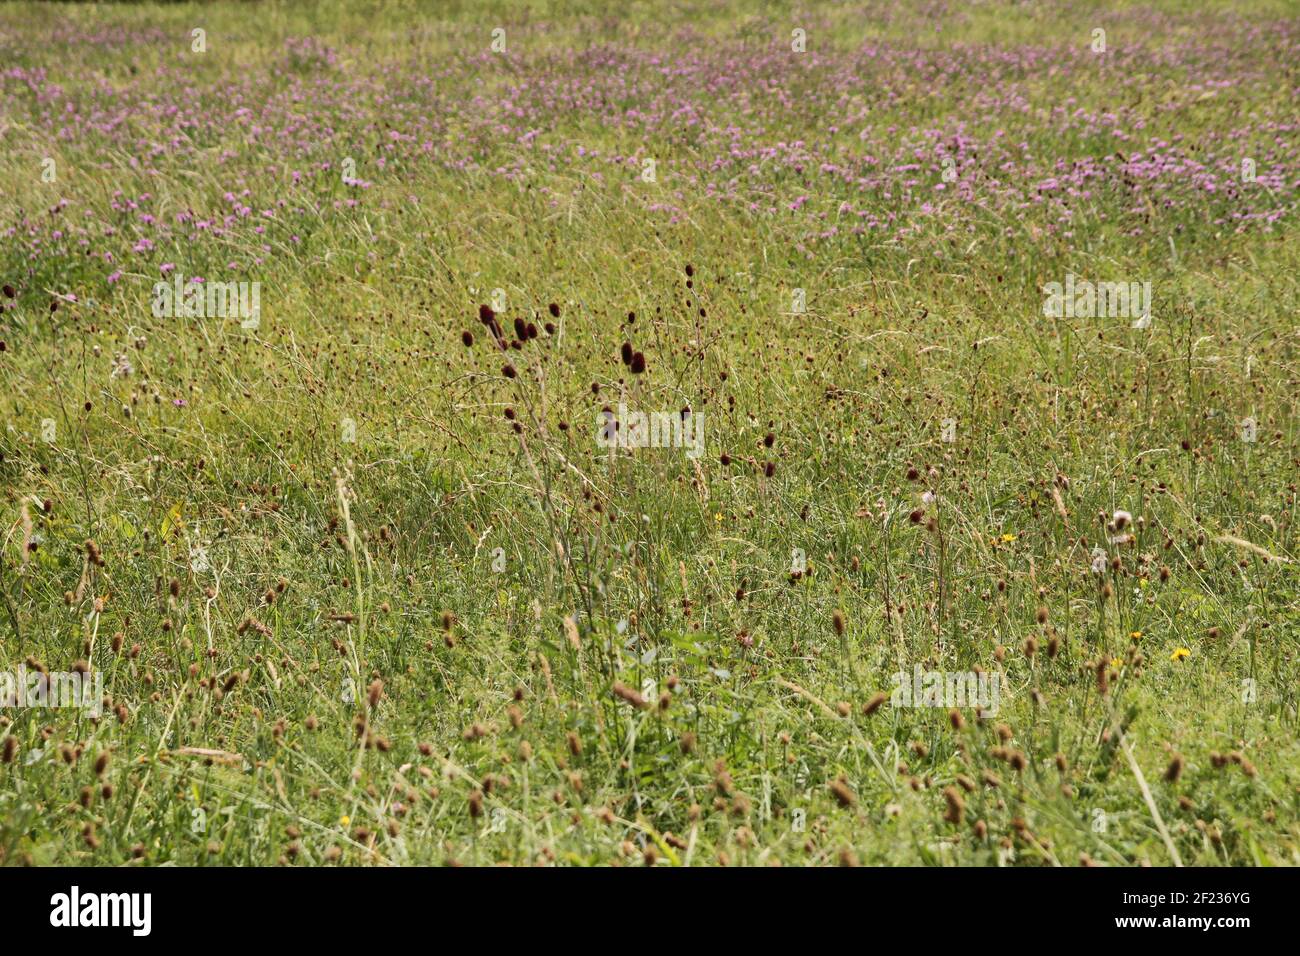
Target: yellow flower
column 344, row 820
column 1116, row 662
column 1136, row 635
column 1179, row 653
column 1008, row 538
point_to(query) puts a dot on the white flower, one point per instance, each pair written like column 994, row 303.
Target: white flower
column 1098, row 561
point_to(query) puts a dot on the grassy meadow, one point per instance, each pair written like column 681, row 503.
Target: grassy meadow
column 366, row 583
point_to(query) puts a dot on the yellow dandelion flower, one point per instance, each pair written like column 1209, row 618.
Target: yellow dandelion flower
column 1136, row 635
column 1116, row 662
column 344, row 820
column 1008, row 538
column 1179, row 653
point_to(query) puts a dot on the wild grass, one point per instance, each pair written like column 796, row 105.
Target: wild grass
column 314, row 651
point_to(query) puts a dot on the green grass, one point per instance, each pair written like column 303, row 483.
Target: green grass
column 245, row 504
